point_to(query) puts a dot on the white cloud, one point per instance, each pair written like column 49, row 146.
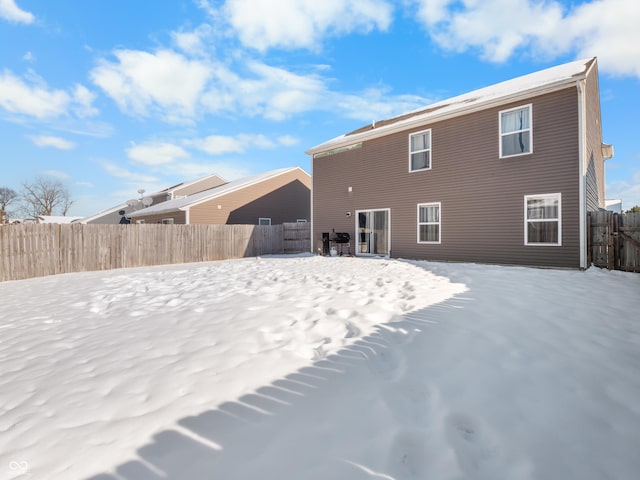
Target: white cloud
column 142, row 83
column 626, row 190
column 56, row 174
column 229, row 170
column 263, row 24
column 83, row 102
column 195, row 42
column 11, row 12
column 271, row 92
column 36, row 100
column 500, row 28
column 51, row 141
column 374, row 104
column 120, row 172
column 221, row 144
column 156, row 153
column 610, row 30
column 33, row 97
column 218, row 144
column 288, row 140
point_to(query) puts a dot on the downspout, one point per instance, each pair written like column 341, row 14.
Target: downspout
column 186, row 216
column 582, row 138
column 311, row 243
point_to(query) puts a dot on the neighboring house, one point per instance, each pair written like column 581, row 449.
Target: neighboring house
column 181, row 190
column 504, row 174
column 273, row 197
column 56, row 219
column 613, row 205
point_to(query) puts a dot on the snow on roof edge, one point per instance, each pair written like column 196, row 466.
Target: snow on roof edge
column 187, row 202
column 459, row 105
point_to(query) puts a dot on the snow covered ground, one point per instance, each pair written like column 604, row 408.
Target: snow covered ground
column 321, row 368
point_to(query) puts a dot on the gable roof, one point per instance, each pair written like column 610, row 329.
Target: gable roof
column 543, row 81
column 197, row 198
column 166, row 191
column 183, row 185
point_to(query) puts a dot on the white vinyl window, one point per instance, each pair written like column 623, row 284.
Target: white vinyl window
column 543, row 219
column 429, row 222
column 301, row 220
column 515, row 132
column 420, row 151
column 264, row 221
column 167, row 221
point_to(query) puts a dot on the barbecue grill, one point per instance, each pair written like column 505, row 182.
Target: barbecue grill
column 341, row 238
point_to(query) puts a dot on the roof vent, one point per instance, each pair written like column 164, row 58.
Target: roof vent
column 607, row 151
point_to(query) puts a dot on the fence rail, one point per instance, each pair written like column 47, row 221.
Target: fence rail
column 614, row 240
column 28, row 251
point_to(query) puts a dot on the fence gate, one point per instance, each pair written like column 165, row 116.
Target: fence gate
column 614, row 240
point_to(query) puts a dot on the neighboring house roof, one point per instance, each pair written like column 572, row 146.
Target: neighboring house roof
column 122, row 206
column 614, row 205
column 187, row 202
column 169, row 191
column 185, row 186
column 56, row 219
column 543, row 81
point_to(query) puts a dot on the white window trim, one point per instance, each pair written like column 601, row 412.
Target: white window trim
column 264, row 218
column 168, row 221
column 430, row 150
column 559, row 220
column 439, row 223
column 530, row 130
column 301, row 220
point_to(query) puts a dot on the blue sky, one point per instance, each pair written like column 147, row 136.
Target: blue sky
column 114, row 96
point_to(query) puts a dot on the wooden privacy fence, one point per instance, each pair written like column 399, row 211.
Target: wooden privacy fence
column 614, row 240
column 28, row 251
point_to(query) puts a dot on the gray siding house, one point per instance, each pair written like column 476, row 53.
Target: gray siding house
column 504, row 175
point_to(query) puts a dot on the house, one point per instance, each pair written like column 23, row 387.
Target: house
column 117, row 213
column 272, row 197
column 613, row 205
column 504, row 174
column 56, row 219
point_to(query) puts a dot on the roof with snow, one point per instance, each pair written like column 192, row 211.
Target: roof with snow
column 56, row 219
column 186, row 202
column 539, row 82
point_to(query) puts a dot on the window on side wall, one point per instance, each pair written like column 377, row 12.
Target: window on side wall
column 264, row 221
column 429, row 222
column 420, row 151
column 515, row 132
column 167, row 221
column 543, row 219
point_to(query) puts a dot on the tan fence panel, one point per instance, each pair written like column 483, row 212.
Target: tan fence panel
column 296, row 237
column 28, row 251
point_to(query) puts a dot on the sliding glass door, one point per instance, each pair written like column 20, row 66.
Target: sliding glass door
column 373, row 234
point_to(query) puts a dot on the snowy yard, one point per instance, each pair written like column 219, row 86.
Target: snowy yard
column 321, row 368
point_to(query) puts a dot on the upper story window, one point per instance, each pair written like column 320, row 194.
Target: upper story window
column 515, row 132
column 542, row 224
column 429, row 222
column 420, row 151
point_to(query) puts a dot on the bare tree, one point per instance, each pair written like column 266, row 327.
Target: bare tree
column 45, row 196
column 7, row 196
